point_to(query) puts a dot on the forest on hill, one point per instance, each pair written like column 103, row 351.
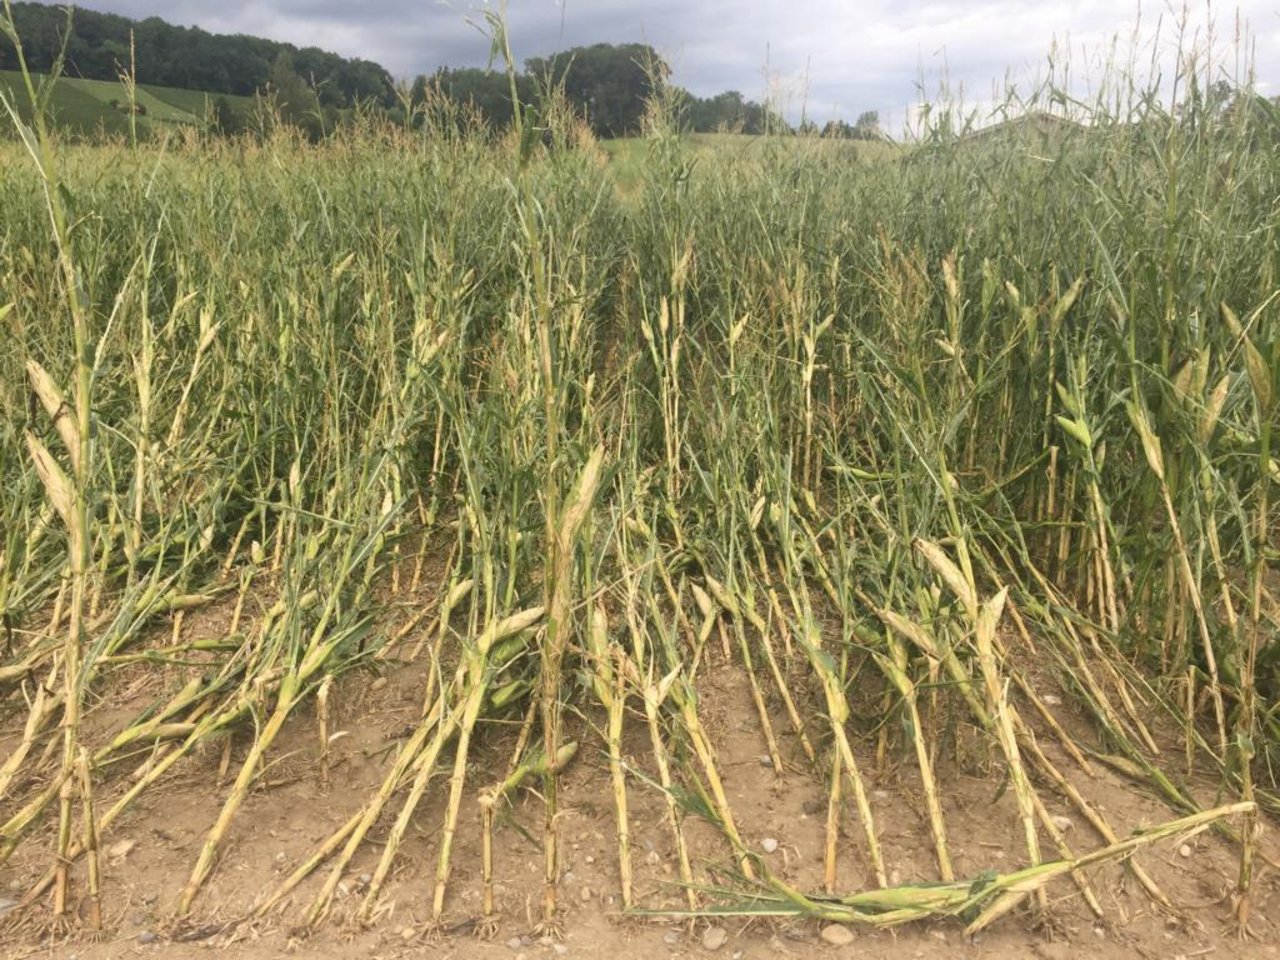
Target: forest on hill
column 99, row 46
column 607, row 84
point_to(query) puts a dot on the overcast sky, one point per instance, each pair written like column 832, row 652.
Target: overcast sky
column 857, row 54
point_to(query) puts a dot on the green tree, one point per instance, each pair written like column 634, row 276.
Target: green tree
column 608, row 84
column 187, row 57
column 296, row 102
column 868, row 126
column 732, row 112
column 223, row 119
column 837, row 130
column 485, row 90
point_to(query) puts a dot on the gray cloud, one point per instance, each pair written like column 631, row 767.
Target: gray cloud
column 838, row 57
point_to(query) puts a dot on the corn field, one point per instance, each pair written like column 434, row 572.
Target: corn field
column 961, row 455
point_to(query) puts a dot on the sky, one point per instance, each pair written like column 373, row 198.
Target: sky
column 826, row 58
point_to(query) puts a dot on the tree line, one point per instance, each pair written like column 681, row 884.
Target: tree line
column 99, row 46
column 607, row 85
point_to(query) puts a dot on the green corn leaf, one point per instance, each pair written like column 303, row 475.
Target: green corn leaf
column 1077, row 431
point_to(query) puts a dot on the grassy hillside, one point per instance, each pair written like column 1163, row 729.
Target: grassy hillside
column 86, row 106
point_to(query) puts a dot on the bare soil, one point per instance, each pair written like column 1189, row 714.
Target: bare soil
column 148, row 855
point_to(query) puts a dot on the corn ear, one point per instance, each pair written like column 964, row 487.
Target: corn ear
column 57, row 485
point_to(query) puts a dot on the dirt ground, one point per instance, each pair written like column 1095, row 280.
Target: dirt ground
column 149, row 853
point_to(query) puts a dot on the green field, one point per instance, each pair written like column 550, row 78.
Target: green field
column 85, row 106
column 630, row 157
column 821, row 530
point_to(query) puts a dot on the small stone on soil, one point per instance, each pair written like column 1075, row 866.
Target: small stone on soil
column 1063, row 823
column 837, row 935
column 560, row 949
column 1184, row 851
column 120, row 849
column 146, row 936
column 671, row 938
column 1053, row 951
column 769, row 845
column 515, row 943
column 408, row 933
column 714, row 938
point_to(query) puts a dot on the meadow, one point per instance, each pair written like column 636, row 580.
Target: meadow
column 100, row 108
column 953, row 462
